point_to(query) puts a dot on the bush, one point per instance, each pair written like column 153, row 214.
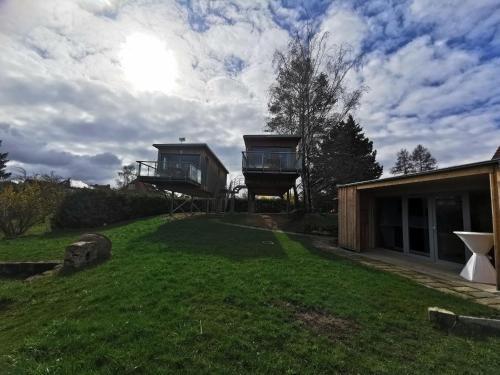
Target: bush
column 25, row 204
column 85, row 208
column 262, row 205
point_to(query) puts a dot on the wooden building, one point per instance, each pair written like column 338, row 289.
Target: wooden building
column 416, row 214
column 188, row 168
column 270, row 164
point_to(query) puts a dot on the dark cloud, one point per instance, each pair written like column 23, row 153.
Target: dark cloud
column 65, row 104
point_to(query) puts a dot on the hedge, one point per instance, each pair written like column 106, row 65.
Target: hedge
column 86, row 208
column 262, row 205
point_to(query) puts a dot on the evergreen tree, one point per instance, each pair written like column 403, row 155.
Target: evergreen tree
column 346, row 155
column 404, row 163
column 310, row 91
column 422, row 159
column 3, row 164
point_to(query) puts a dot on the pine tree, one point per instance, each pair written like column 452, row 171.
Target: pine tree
column 346, row 155
column 404, row 163
column 422, row 159
column 3, row 164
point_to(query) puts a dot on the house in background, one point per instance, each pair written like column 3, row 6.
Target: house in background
column 270, row 165
column 416, row 214
column 191, row 169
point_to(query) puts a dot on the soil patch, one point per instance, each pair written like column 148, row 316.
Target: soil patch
column 322, row 322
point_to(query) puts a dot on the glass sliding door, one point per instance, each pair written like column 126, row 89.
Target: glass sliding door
column 448, row 218
column 390, row 223
column 418, row 226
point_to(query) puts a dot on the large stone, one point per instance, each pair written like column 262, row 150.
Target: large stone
column 91, row 248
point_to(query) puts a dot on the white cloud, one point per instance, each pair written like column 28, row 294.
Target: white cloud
column 345, row 27
column 471, row 19
column 62, row 83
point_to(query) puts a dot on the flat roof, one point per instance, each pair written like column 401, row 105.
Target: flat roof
column 431, row 172
column 282, row 136
column 191, row 145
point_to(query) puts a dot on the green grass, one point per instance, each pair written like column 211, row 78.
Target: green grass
column 197, row 296
column 305, row 223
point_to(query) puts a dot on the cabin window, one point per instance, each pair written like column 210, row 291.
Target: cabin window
column 273, row 158
column 179, row 161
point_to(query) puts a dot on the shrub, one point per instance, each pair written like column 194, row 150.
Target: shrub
column 262, row 205
column 25, row 204
column 86, row 208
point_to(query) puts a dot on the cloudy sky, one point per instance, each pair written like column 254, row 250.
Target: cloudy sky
column 89, row 85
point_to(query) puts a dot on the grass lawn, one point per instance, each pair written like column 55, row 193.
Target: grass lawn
column 198, row 296
column 307, row 223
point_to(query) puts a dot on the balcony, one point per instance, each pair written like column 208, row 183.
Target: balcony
column 271, row 162
column 169, row 171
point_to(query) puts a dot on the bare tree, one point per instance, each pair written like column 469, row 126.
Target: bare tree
column 125, row 176
column 310, row 93
column 19, row 174
column 404, row 164
column 51, row 177
column 422, row 159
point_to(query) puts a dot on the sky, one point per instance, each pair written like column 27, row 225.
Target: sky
column 87, row 86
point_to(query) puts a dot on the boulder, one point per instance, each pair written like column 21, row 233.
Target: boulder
column 91, row 248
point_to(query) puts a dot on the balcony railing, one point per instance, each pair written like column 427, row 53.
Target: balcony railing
column 271, row 161
column 182, row 172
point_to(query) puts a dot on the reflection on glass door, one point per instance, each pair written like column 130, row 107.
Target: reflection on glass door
column 418, row 226
column 390, row 223
column 449, row 218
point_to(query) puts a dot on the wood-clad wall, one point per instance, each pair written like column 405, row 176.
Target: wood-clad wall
column 348, row 210
column 495, row 208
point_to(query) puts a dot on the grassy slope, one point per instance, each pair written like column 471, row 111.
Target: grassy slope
column 289, row 223
column 143, row 311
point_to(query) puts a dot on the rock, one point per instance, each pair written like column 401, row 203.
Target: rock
column 91, row 248
column 442, row 318
column 104, row 249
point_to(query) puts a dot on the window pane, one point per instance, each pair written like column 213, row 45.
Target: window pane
column 449, row 218
column 418, row 225
column 390, row 223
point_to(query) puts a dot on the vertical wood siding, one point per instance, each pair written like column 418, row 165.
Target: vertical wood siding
column 349, row 218
column 495, row 210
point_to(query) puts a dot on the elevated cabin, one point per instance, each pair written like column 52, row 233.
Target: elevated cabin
column 188, row 168
column 270, row 164
column 416, row 214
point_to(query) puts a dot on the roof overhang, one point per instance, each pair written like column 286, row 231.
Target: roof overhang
column 483, row 167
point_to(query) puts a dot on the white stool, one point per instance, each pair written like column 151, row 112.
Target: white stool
column 478, row 269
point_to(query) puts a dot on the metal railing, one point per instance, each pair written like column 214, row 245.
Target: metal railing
column 271, row 161
column 182, row 172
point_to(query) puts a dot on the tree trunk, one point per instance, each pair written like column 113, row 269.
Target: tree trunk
column 295, row 196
